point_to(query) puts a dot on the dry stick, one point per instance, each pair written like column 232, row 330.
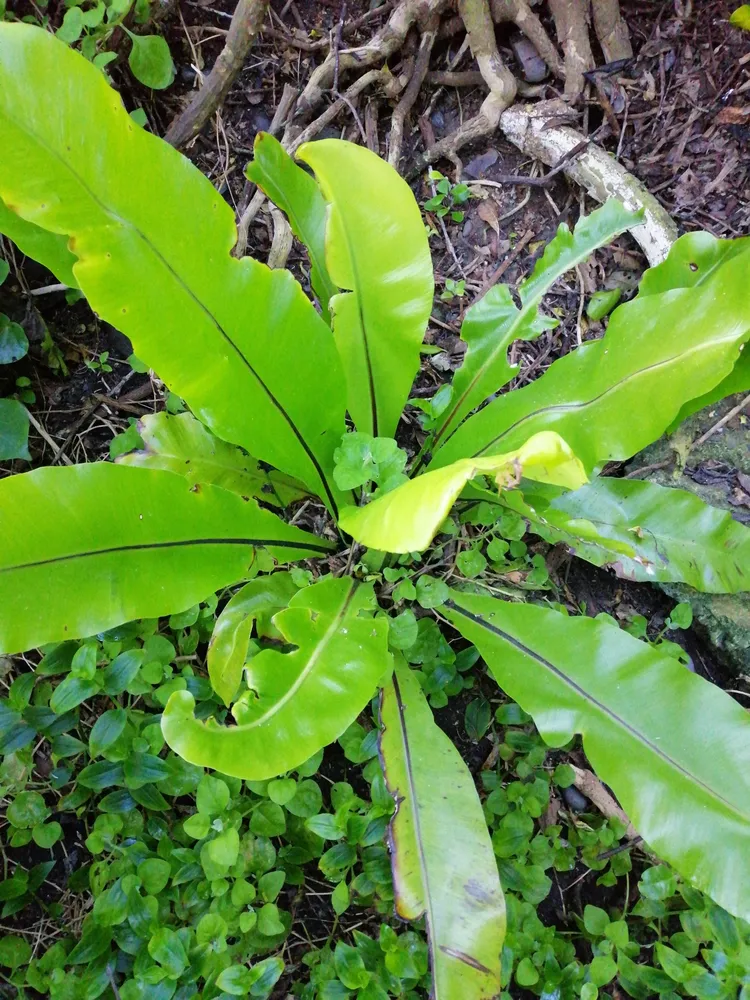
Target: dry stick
column 421, row 65
column 246, row 23
column 720, row 423
column 611, row 30
column 519, row 12
column 533, row 129
column 571, row 23
column 371, row 125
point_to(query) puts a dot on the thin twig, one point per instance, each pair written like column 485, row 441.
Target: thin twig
column 720, row 423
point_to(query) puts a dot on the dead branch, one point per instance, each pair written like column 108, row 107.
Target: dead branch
column 246, row 23
column 409, row 96
column 571, row 23
column 611, row 30
column 519, row 12
column 531, row 128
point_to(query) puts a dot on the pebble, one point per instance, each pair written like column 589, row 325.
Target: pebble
column 574, row 800
column 533, row 67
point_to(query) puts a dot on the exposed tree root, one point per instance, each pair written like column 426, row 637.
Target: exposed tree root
column 384, row 44
column 571, row 22
column 409, row 96
column 534, row 129
column 481, row 32
column 531, row 129
column 611, row 30
column 519, row 12
column 246, row 22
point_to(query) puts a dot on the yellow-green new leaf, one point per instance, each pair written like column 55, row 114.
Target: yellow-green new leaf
column 299, row 198
column 184, row 445
column 443, row 864
column 495, row 321
column 227, row 650
column 376, row 249
column 612, row 397
column 240, row 343
column 407, row 518
column 674, row 748
column 88, row 547
column 49, row 249
column 297, row 702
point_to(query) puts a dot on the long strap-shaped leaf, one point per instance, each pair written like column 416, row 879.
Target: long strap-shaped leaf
column 376, row 246
column 492, row 324
column 299, row 198
column 88, row 547
column 239, row 342
column 611, row 398
column 674, row 534
column 443, row 864
column 675, row 749
column 49, row 249
column 691, row 261
column 299, row 701
column 184, row 445
column 227, row 651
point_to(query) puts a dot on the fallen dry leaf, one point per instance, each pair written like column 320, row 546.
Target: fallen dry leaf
column 487, row 212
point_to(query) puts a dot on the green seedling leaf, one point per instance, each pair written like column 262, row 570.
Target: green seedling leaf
column 161, row 547
column 579, row 675
column 14, row 344
column 72, row 26
column 377, row 252
column 150, row 61
column 107, row 728
column 443, row 864
column 14, row 430
column 212, row 797
column 27, row 810
column 340, row 657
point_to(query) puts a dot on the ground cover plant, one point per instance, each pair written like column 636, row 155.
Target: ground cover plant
column 261, row 368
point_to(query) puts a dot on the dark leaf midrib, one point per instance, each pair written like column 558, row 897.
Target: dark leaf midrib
column 150, row 546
